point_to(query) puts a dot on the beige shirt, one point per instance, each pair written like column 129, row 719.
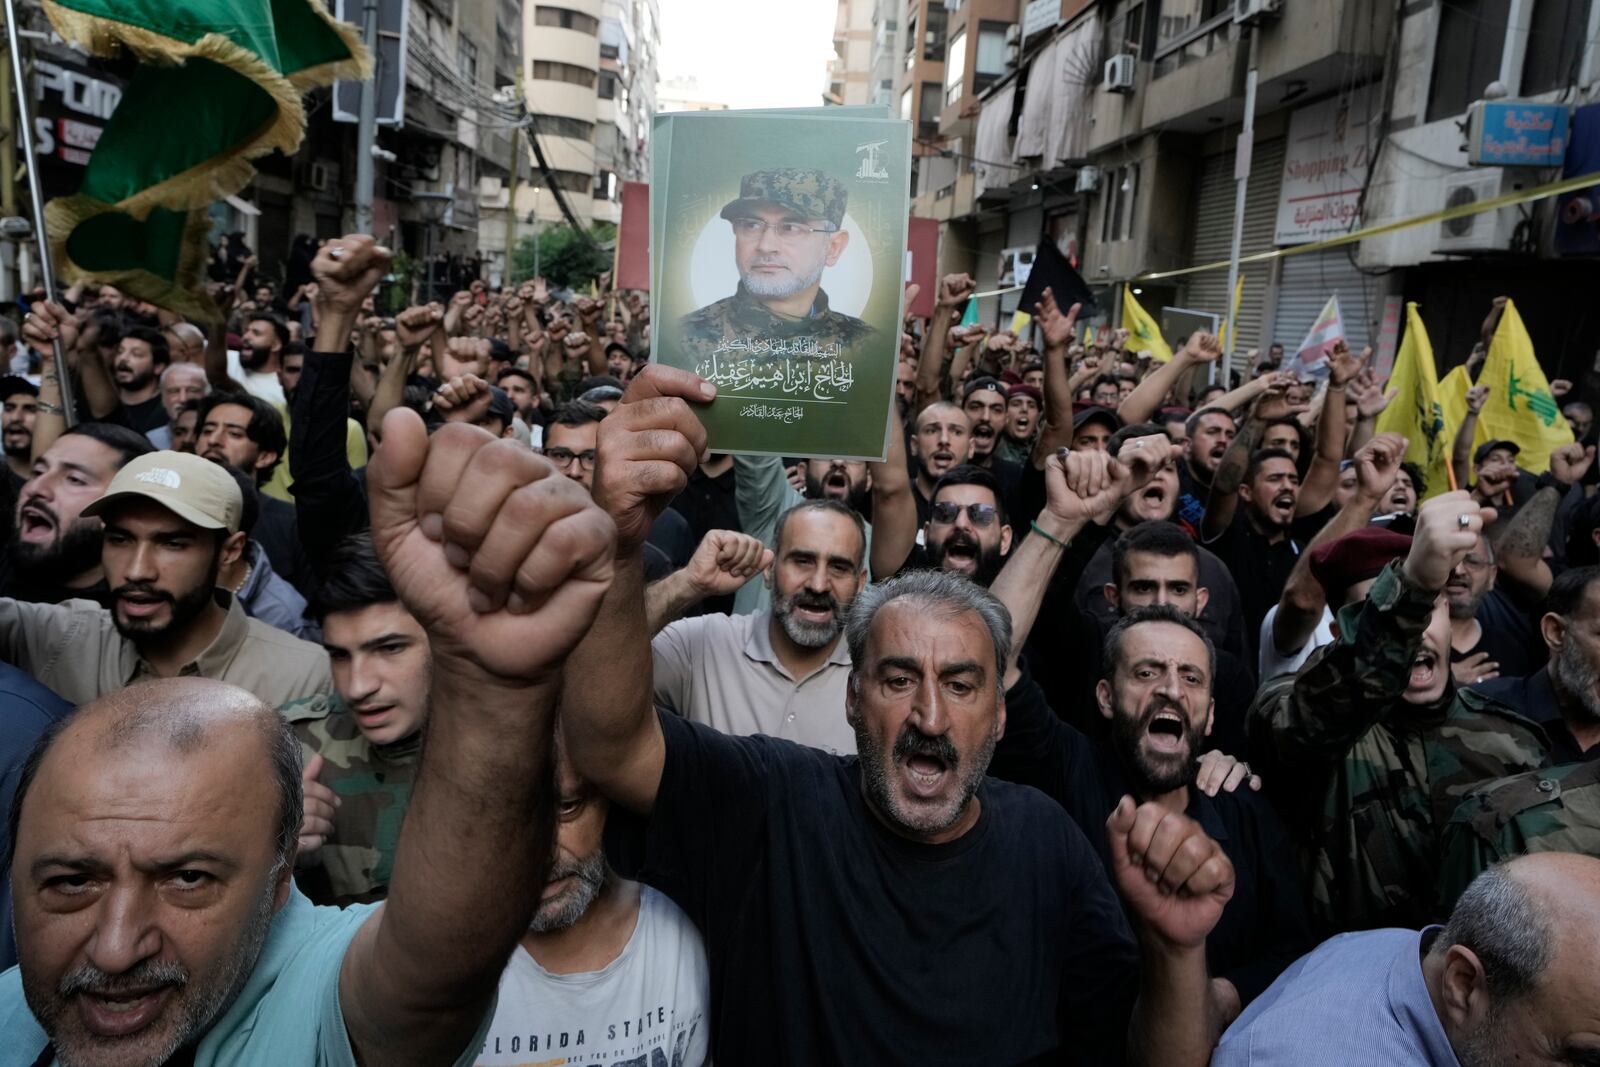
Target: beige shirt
column 75, row 649
column 720, row 670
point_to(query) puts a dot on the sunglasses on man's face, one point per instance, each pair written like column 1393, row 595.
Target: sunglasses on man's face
column 945, row 513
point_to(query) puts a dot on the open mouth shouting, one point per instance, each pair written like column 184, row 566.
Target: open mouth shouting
column 36, row 523
column 1424, row 669
column 927, row 764
column 123, row 1012
column 836, row 483
column 1282, row 506
column 961, row 553
column 1167, row 733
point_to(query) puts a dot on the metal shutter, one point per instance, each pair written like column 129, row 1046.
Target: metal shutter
column 1307, row 282
column 1213, row 237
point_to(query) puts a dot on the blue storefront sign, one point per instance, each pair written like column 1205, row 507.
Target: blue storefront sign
column 1510, row 133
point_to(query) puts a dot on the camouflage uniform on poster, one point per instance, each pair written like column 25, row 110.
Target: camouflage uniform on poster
column 373, row 783
column 743, row 326
column 1369, row 780
column 1552, row 810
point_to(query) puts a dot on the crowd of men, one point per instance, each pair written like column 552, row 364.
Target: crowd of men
column 412, row 686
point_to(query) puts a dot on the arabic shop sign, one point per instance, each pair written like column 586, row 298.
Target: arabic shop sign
column 1324, row 169
column 1513, row 133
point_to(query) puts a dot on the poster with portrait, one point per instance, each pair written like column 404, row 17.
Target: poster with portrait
column 778, row 264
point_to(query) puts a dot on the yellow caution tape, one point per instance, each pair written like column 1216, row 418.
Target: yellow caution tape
column 1525, row 196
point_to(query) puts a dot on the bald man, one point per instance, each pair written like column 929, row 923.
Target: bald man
column 155, row 833
column 1509, row 979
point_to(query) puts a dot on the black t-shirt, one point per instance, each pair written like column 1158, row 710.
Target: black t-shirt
column 144, row 416
column 1264, row 927
column 1260, row 568
column 834, row 941
column 1508, row 635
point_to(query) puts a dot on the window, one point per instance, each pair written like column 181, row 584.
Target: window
column 990, row 63
column 955, row 66
column 1555, row 45
column 1125, row 32
column 467, row 60
column 911, row 40
column 905, row 104
column 1472, row 34
column 934, row 40
column 561, row 126
column 566, row 19
column 1190, row 30
column 547, row 70
column 608, row 85
column 928, row 113
column 573, row 181
column 1116, row 220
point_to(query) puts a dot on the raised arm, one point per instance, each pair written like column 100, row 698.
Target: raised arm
column 722, row 562
column 413, row 328
column 1148, row 396
column 44, row 324
column 1461, row 449
column 504, row 562
column 954, row 290
column 647, row 449
column 1341, row 696
column 1303, row 600
column 1055, row 427
column 1322, row 477
column 894, row 508
column 1519, row 552
column 1371, row 401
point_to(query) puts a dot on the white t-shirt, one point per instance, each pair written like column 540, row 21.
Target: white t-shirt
column 262, row 384
column 653, row 997
column 1273, row 663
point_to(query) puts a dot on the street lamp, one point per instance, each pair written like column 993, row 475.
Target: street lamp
column 431, row 208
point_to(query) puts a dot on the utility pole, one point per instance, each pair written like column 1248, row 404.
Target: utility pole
column 1241, row 175
column 511, row 208
column 367, row 130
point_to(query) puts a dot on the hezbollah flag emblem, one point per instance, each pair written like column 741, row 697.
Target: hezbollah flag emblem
column 218, row 84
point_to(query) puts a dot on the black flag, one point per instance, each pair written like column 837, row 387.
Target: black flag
column 1052, row 271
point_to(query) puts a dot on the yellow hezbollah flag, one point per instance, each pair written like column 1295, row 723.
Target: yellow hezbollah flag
column 1520, row 407
column 1144, row 334
column 1019, row 322
column 1417, row 412
column 1233, row 316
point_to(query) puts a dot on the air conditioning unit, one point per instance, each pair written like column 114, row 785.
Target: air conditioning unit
column 1120, row 70
column 1256, row 10
column 315, row 176
column 1088, row 180
column 1484, row 231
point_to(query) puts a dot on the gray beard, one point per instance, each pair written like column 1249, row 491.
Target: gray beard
column 778, row 288
column 564, row 911
column 197, row 1016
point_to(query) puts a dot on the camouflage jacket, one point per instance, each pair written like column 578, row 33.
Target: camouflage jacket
column 373, row 784
column 1552, row 810
column 1366, row 780
column 740, row 327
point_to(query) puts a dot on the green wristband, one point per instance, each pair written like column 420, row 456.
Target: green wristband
column 1048, row 537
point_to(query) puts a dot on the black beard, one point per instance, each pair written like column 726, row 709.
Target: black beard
column 1150, row 779
column 22, row 451
column 1578, row 678
column 856, row 498
column 989, row 558
column 75, row 550
column 254, row 358
column 186, row 607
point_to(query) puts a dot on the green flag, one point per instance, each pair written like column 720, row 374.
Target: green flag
column 218, row 84
column 969, row 317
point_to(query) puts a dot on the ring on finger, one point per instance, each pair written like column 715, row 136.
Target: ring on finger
column 336, row 252
column 1463, row 520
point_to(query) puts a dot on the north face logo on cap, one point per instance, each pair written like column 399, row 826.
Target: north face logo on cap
column 160, row 476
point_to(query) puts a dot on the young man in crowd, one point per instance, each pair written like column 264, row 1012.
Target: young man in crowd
column 169, row 520
column 54, row 554
column 141, row 358
column 20, row 398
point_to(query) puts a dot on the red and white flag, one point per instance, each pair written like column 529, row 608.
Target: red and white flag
column 1311, row 358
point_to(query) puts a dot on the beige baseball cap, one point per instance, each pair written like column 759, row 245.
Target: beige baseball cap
column 194, row 489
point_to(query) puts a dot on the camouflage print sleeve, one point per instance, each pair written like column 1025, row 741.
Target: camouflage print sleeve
column 1341, row 695
column 1470, row 844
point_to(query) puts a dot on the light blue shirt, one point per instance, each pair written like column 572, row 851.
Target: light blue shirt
column 1357, row 999
column 287, row 1013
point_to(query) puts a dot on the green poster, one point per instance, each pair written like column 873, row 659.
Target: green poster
column 779, row 256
